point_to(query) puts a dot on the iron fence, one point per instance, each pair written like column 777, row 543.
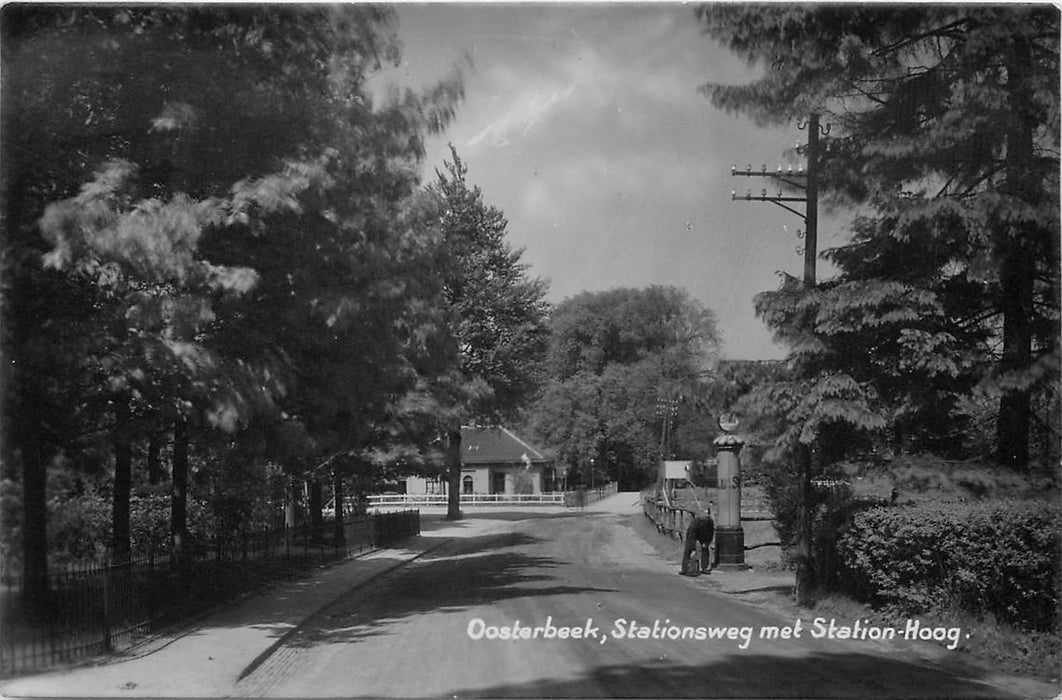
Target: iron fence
column 91, row 608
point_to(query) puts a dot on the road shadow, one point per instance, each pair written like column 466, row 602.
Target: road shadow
column 477, row 544
column 465, row 573
column 435, row 521
column 818, row 675
column 786, row 589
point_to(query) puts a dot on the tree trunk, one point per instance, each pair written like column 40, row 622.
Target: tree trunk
column 289, row 503
column 1018, row 266
column 1013, row 423
column 123, row 479
column 179, row 489
column 154, row 458
column 337, row 496
column 805, row 571
column 316, row 515
column 34, row 518
column 453, row 474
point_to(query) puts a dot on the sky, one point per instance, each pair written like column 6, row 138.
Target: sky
column 583, row 124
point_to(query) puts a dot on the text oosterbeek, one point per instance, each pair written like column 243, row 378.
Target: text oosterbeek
column 624, row 629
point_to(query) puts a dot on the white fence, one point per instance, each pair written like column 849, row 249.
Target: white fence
column 481, row 499
column 551, row 498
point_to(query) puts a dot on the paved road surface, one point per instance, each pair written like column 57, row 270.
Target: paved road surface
column 396, row 624
column 410, row 633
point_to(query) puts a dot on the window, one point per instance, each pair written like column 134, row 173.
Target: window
column 466, row 485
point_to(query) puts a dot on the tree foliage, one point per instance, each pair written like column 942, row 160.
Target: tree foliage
column 612, row 356
column 204, row 231
column 489, row 318
column 945, row 131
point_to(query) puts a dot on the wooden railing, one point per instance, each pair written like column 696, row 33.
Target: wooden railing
column 668, row 519
column 675, row 521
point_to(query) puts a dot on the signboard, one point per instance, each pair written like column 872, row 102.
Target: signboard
column 678, row 469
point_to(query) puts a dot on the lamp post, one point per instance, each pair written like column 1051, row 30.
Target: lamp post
column 729, row 537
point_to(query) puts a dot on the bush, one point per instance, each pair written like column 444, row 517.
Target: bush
column 831, row 509
column 1000, row 558
column 79, row 527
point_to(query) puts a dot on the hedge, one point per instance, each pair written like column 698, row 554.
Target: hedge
column 996, row 557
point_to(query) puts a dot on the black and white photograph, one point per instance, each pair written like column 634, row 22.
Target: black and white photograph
column 530, row 349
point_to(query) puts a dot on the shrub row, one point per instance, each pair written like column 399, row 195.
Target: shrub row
column 1000, row 557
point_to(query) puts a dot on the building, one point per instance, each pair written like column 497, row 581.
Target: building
column 493, row 461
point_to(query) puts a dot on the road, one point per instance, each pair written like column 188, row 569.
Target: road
column 422, row 630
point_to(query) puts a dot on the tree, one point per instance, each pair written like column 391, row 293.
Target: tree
column 612, row 356
column 492, row 317
column 945, row 125
column 200, row 195
column 945, row 128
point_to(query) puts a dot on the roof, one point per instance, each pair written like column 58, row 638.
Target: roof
column 496, row 445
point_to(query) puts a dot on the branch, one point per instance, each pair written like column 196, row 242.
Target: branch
column 947, row 31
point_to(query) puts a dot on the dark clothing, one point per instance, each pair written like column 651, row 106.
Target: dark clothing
column 702, row 530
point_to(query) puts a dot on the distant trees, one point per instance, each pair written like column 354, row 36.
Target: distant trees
column 205, row 230
column 612, row 356
column 945, row 132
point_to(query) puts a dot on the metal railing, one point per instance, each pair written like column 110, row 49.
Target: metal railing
column 91, row 608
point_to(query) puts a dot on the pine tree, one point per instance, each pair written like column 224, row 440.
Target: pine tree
column 945, row 126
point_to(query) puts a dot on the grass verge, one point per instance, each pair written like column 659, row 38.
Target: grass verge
column 1010, row 650
column 1007, row 649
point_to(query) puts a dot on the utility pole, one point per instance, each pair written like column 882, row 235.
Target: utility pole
column 808, row 181
column 668, row 409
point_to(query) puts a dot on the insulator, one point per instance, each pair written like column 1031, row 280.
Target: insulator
column 748, row 168
column 763, row 193
column 763, row 168
column 800, row 233
column 733, row 170
column 779, row 168
column 800, row 168
column 790, row 168
column 799, row 250
column 748, row 193
column 733, row 194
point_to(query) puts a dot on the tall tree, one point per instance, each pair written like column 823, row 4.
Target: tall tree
column 492, row 317
column 945, row 126
column 200, row 196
